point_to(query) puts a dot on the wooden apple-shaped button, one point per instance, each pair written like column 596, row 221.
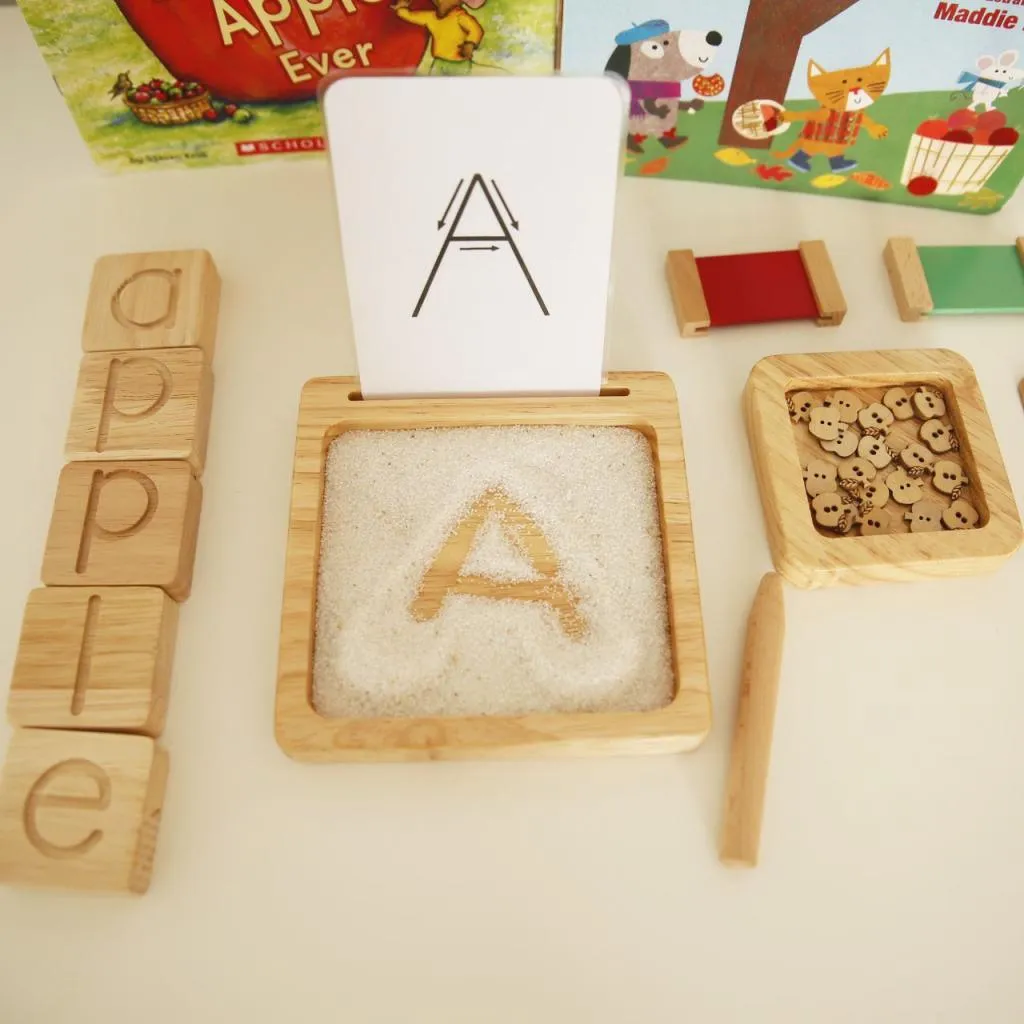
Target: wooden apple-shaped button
column 937, row 436
column 961, row 515
column 875, row 417
column 874, row 494
column 897, row 401
column 929, row 404
column 856, row 470
column 830, row 512
column 877, row 520
column 948, row 476
column 874, row 450
column 824, row 423
column 916, row 458
column 819, row 477
column 847, row 404
column 925, row 516
column 904, row 489
column 800, row 406
column 844, row 444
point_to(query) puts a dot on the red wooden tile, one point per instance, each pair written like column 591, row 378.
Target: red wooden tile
column 752, row 288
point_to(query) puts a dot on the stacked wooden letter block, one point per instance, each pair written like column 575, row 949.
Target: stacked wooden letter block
column 84, row 779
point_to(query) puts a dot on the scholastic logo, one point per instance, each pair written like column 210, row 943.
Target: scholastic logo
column 261, row 147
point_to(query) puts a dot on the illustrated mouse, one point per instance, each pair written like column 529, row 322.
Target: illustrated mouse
column 993, row 79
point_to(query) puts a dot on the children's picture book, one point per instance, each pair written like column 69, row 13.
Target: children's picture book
column 908, row 101
column 200, row 83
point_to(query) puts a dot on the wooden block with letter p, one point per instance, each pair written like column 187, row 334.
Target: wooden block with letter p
column 124, row 524
column 80, row 810
column 153, row 300
column 94, row 658
column 142, row 405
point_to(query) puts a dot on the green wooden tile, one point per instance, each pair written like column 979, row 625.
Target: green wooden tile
column 974, row 278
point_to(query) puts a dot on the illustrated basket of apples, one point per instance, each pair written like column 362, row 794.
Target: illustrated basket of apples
column 165, row 103
column 958, row 154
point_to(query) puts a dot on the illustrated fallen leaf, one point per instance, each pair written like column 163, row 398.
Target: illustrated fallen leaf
column 828, row 180
column 983, row 199
column 870, row 180
column 773, row 172
column 734, row 157
column 655, row 166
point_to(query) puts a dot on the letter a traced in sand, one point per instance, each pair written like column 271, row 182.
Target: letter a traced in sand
column 445, row 574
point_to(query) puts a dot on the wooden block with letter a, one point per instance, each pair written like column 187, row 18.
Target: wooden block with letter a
column 80, row 810
column 124, row 524
column 153, row 300
column 94, row 658
column 142, row 405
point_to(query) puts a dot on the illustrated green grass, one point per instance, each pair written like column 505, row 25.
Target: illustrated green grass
column 901, row 113
column 88, row 43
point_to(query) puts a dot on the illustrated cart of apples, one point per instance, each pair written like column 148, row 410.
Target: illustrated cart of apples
column 958, row 154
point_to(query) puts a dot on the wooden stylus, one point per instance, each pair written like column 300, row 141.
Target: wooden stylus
column 755, row 720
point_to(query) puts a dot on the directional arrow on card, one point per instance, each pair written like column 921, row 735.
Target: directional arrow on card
column 448, row 208
column 511, row 216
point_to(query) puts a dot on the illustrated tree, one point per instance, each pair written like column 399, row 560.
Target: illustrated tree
column 772, row 35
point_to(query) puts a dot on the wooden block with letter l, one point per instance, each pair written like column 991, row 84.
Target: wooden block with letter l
column 94, row 658
column 153, row 300
column 129, row 524
column 80, row 810
column 153, row 404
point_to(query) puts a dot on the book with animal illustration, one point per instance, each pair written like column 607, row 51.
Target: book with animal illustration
column 912, row 101
column 198, row 83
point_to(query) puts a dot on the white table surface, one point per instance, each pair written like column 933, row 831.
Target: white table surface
column 892, row 879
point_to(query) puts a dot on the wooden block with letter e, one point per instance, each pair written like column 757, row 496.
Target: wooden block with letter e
column 124, row 524
column 153, row 300
column 94, row 658
column 80, row 810
column 153, row 404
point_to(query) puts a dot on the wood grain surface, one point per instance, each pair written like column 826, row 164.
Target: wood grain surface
column 142, row 405
column 94, row 658
column 684, row 285
column 147, row 300
column 906, row 276
column 80, row 810
column 124, row 524
column 740, row 840
column 828, row 293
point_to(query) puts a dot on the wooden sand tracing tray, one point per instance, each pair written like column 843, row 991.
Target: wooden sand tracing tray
column 490, row 551
column 490, row 577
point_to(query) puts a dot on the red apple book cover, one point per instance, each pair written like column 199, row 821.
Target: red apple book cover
column 202, row 83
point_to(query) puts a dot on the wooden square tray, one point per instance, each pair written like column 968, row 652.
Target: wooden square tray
column 800, row 552
column 332, row 405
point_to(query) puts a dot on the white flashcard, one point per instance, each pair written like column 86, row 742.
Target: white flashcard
column 476, row 224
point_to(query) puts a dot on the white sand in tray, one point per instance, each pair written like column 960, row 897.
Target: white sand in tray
column 393, row 498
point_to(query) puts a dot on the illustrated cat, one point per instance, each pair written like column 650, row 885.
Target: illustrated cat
column 830, row 130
